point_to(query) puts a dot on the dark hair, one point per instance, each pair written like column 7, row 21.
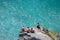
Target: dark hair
column 37, row 23
column 27, row 27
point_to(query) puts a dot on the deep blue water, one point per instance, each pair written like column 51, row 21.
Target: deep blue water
column 16, row 13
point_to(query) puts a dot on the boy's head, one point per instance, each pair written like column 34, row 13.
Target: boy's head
column 23, row 26
column 37, row 23
column 27, row 27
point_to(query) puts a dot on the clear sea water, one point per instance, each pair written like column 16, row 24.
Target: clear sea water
column 16, row 13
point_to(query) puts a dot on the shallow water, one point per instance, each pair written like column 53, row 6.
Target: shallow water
column 14, row 14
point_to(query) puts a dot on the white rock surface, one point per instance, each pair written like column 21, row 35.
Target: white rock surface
column 40, row 35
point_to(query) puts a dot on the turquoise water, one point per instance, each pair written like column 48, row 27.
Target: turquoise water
column 16, row 13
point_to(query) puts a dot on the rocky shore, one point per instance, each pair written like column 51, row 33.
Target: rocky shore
column 43, row 34
column 38, row 35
